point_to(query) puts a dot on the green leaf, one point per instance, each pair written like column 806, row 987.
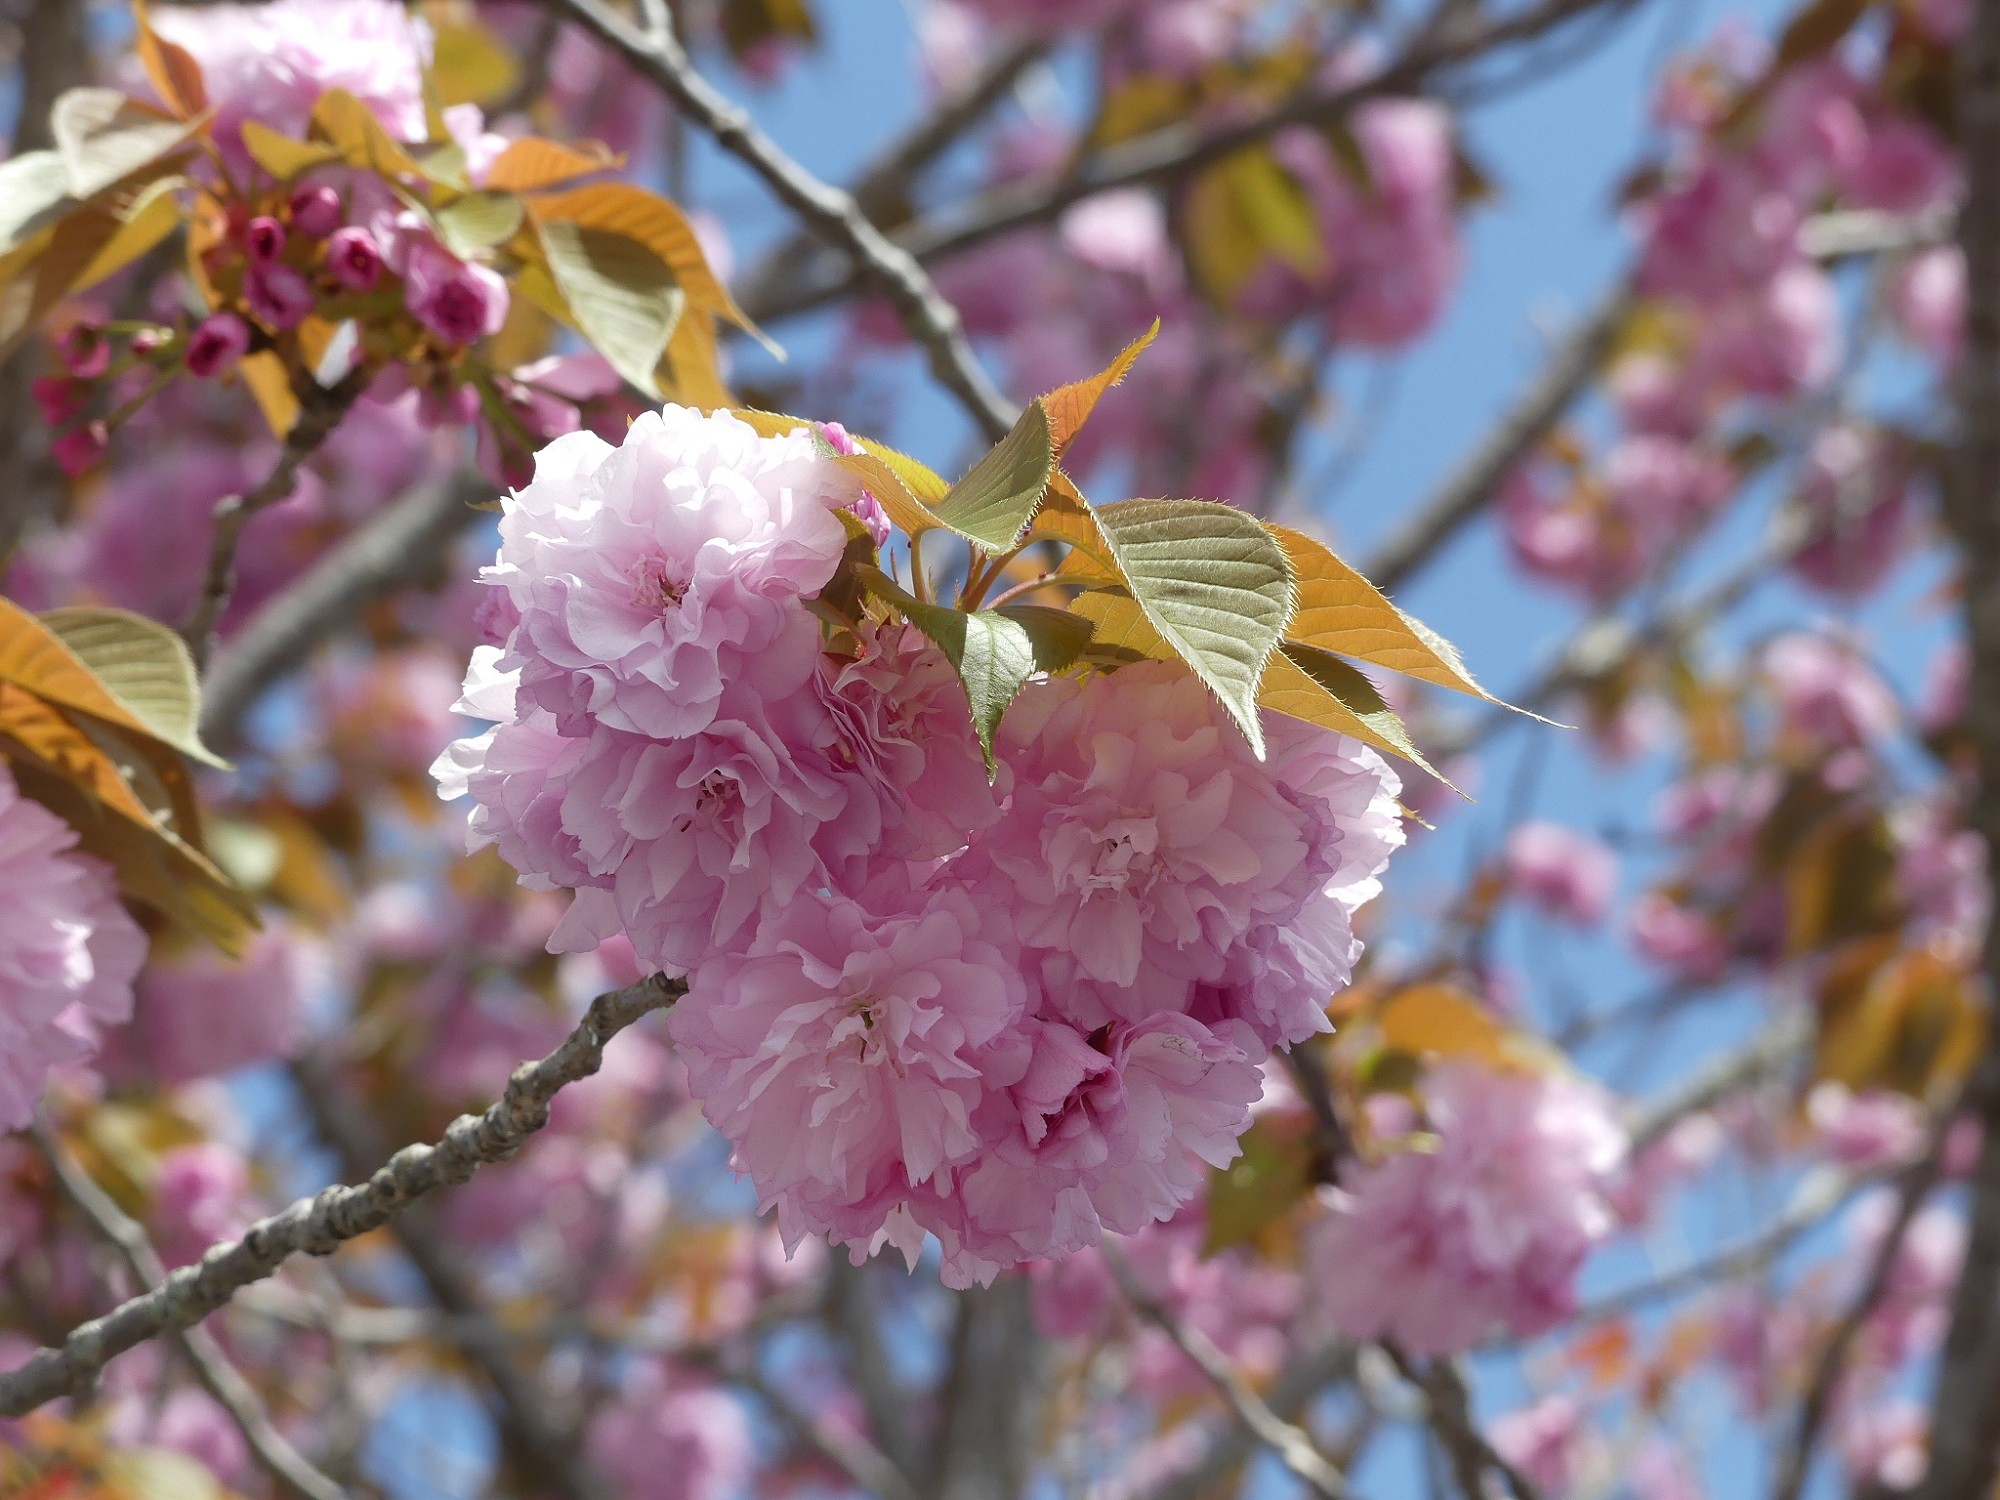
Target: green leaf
column 993, row 654
column 152, row 215
column 1213, row 582
column 146, row 668
column 620, row 295
column 1320, row 688
column 280, row 155
column 1272, row 1177
column 476, row 222
column 103, row 137
column 1058, row 636
column 34, row 190
column 993, row 504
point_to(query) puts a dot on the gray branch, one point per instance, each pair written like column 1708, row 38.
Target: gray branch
column 655, row 52
column 1468, row 491
column 212, row 1368
column 322, row 1224
column 1965, row 1405
column 320, row 413
column 1452, row 36
column 1294, row 1449
column 391, row 550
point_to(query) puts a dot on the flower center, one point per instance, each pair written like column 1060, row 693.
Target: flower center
column 657, row 586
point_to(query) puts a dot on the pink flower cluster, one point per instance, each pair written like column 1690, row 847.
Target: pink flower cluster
column 1012, row 1015
column 68, row 951
column 1485, row 1230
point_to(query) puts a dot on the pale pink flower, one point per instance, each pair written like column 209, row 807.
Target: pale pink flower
column 1682, row 1153
column 1142, row 835
column 650, row 573
column 1087, row 1132
column 1726, row 226
column 68, row 951
column 1282, row 974
column 1777, row 338
column 200, row 1013
column 1926, row 297
column 1241, row 1302
column 1392, row 243
column 1865, row 1131
column 270, row 63
column 1906, row 168
column 1677, row 937
column 897, row 736
column 1544, row 1442
column 187, row 1421
column 1569, row 875
column 1856, row 485
column 201, row 1197
column 1944, row 21
column 1827, row 694
column 1941, row 875
column 1885, row 1446
column 1124, row 231
column 839, row 1052
column 1486, row 1231
column 668, row 1436
column 1661, row 1471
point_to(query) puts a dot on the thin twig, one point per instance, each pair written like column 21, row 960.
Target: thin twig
column 1917, row 1181
column 320, row 413
column 322, row 1224
column 394, row 548
column 860, row 1460
column 1289, row 1442
column 1478, row 479
column 1819, row 1197
column 1768, row 1053
column 212, row 1368
column 1450, row 37
column 538, row 1443
column 1303, row 1378
column 656, row 53
column 882, row 186
column 1472, row 1456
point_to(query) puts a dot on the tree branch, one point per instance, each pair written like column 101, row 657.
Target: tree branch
column 321, row 411
column 391, row 550
column 657, row 54
column 1302, row 1379
column 1289, row 1442
column 882, row 186
column 1469, row 489
column 1452, row 35
column 322, row 1224
column 1472, row 1456
column 1917, row 1181
column 212, row 1368
column 533, row 1437
column 1965, row 1404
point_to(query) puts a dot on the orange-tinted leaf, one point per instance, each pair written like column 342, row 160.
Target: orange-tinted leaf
column 173, row 72
column 531, row 164
column 1070, row 406
column 1445, row 1021
column 622, row 209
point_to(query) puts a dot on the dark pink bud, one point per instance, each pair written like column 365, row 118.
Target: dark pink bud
column 354, row 258
column 85, row 352
column 263, row 240
column 149, row 341
column 59, row 399
column 80, row 448
column 315, row 211
column 220, row 340
column 279, row 297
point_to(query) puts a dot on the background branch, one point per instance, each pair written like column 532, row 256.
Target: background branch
column 322, row 1224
